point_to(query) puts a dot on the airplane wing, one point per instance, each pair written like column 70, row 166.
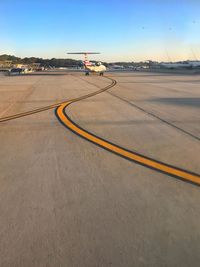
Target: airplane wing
column 83, row 53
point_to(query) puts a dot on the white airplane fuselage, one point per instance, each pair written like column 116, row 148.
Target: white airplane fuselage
column 96, row 69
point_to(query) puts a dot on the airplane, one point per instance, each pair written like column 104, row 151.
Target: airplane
column 91, row 67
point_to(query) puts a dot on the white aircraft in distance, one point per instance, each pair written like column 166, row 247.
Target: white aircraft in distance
column 89, row 66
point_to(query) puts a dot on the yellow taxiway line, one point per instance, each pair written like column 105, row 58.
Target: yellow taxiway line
column 127, row 154
column 23, row 114
column 123, row 152
column 30, row 112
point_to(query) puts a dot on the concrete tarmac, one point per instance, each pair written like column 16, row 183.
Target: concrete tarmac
column 67, row 202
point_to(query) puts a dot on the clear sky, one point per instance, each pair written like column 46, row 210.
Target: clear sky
column 122, row 30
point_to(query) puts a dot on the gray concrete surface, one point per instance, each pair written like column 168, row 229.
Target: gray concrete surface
column 67, row 202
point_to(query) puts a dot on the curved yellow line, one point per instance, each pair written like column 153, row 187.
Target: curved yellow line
column 151, row 163
column 170, row 170
column 37, row 110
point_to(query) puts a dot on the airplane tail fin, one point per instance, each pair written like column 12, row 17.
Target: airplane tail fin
column 86, row 62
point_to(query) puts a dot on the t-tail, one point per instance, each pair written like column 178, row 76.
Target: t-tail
column 86, row 62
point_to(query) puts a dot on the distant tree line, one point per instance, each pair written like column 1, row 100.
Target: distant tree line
column 54, row 62
column 61, row 62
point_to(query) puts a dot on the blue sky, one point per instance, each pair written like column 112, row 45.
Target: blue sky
column 126, row 30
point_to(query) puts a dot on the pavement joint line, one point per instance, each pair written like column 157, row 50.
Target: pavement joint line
column 141, row 159
column 41, row 109
column 156, row 116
